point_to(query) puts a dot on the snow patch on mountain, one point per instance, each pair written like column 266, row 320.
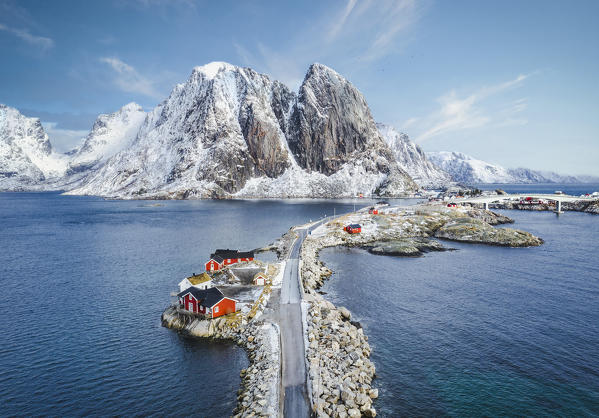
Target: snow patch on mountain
column 225, row 133
column 412, row 159
column 26, row 155
column 468, row 170
column 465, row 169
column 110, row 134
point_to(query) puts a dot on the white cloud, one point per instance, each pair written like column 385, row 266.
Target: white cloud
column 129, row 79
column 459, row 113
column 63, row 140
column 39, row 41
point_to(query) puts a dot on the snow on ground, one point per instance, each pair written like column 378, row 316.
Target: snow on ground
column 278, row 279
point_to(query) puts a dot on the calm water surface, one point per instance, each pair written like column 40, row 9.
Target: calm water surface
column 482, row 331
column 84, row 282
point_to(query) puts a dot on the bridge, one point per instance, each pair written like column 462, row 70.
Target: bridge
column 557, row 198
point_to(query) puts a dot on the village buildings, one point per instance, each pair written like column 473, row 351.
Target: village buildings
column 221, row 258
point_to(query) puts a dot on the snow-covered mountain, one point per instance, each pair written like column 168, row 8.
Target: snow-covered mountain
column 413, row 160
column 231, row 132
column 110, row 134
column 468, row 170
column 26, row 155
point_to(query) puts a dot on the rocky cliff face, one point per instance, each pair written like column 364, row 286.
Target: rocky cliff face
column 228, row 131
column 222, row 127
column 26, row 155
column 331, row 124
column 412, row 159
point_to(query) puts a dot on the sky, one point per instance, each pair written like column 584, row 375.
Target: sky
column 514, row 83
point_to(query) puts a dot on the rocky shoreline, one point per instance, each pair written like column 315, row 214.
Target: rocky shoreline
column 260, row 382
column 340, row 371
column 585, row 206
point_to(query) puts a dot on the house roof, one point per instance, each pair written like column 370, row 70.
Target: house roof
column 216, row 258
column 355, row 226
column 199, row 278
column 206, row 297
column 232, row 253
column 261, row 273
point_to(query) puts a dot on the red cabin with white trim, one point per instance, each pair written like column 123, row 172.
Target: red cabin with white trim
column 215, row 263
column 210, row 302
column 221, row 258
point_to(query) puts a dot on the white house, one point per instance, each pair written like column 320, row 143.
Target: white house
column 199, row 281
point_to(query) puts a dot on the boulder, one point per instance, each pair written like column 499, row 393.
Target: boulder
column 345, row 313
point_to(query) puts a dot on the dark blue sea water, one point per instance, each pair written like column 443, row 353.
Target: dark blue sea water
column 571, row 189
column 83, row 283
column 482, row 331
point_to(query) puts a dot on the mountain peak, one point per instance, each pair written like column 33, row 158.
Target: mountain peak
column 212, row 69
column 131, row 107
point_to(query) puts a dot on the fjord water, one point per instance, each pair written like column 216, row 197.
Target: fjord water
column 482, row 331
column 84, row 281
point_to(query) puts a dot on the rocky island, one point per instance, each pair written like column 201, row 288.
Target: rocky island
column 339, row 371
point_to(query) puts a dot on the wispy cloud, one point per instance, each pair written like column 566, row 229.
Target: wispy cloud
column 23, row 34
column 128, row 79
column 459, row 113
column 340, row 23
column 357, row 34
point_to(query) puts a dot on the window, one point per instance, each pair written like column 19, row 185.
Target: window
column 216, row 309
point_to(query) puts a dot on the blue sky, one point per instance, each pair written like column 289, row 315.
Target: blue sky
column 511, row 82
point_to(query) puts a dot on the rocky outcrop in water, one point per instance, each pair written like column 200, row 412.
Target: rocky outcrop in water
column 477, row 231
column 340, row 370
column 406, row 247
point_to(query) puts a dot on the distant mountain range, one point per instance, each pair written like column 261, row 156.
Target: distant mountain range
column 468, row 170
column 232, row 132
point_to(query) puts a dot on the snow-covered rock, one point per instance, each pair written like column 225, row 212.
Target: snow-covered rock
column 110, row 134
column 468, row 170
column 231, row 132
column 412, row 159
column 26, row 155
column 465, row 169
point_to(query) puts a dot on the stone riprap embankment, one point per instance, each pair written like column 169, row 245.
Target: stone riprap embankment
column 340, row 370
column 259, row 392
column 587, row 206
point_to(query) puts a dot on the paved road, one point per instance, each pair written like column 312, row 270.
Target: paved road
column 292, row 337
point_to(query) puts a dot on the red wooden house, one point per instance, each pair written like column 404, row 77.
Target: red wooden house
column 210, row 302
column 215, row 263
column 353, row 228
column 373, row 211
column 221, row 258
